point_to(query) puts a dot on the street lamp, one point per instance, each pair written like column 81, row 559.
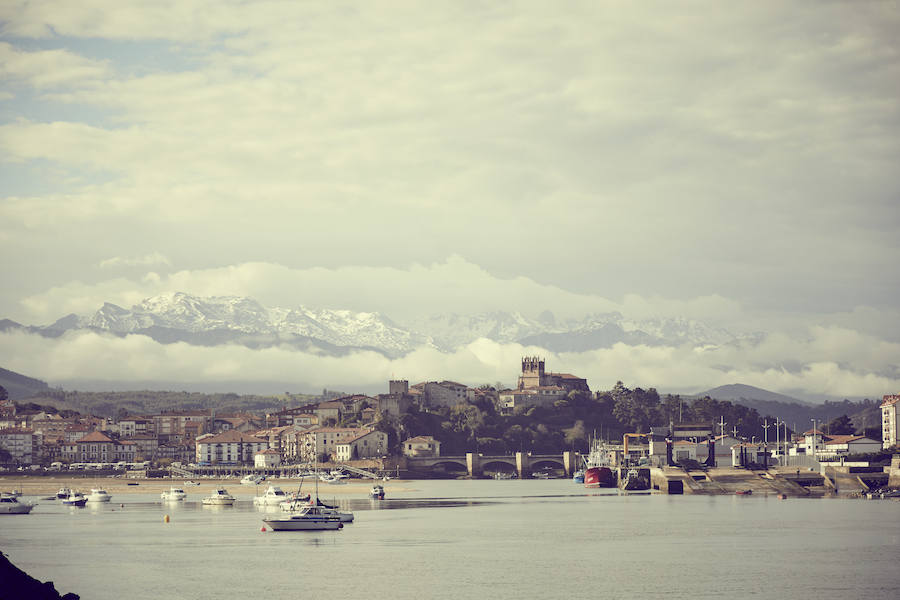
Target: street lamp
column 815, row 443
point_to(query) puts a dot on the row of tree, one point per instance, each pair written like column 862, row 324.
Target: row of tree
column 573, row 421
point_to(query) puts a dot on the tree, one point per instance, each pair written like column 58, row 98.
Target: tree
column 840, row 426
column 4, row 395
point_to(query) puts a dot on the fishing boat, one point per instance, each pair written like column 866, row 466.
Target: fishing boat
column 75, row 499
column 578, row 476
column 377, row 492
column 597, row 471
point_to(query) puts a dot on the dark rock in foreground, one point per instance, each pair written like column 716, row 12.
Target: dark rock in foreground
column 18, row 585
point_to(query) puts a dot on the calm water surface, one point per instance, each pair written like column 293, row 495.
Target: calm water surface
column 470, row 539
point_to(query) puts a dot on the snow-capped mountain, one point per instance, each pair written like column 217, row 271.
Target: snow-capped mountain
column 572, row 335
column 180, row 317
column 224, row 319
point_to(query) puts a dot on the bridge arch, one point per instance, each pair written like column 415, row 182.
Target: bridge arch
column 547, row 462
column 449, row 465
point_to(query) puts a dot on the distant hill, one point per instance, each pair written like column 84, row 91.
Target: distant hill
column 864, row 413
column 739, row 391
column 20, row 386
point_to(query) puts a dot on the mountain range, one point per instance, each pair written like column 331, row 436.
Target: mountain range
column 210, row 321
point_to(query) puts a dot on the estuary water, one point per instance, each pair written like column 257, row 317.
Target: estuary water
column 469, row 539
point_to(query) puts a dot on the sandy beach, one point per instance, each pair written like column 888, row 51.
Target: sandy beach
column 45, row 486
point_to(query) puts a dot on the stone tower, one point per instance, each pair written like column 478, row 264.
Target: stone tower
column 532, row 372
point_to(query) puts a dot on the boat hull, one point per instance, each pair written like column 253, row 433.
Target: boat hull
column 599, row 477
column 218, row 501
column 303, row 524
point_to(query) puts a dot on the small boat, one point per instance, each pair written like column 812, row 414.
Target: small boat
column 578, row 477
column 63, row 493
column 273, row 496
column 219, row 497
column 377, row 492
column 10, row 505
column 191, row 483
column 252, row 479
column 743, row 492
column 174, row 493
column 503, row 475
column 13, row 493
column 75, row 499
column 132, row 483
column 309, row 518
column 98, row 495
column 332, row 479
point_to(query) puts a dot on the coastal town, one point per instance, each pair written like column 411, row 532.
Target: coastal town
column 361, row 432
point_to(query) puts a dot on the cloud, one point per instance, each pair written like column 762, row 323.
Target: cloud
column 147, row 260
column 92, row 356
column 733, row 165
column 451, row 286
column 49, row 68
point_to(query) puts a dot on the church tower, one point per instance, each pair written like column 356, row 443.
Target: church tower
column 532, row 372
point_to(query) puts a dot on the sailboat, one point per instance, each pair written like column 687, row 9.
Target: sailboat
column 312, row 516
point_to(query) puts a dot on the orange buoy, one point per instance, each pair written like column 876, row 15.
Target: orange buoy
column 263, row 528
column 166, row 519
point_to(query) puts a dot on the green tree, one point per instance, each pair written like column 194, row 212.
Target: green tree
column 840, row 426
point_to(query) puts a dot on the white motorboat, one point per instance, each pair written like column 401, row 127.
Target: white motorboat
column 10, row 505
column 273, row 496
column 98, row 495
column 252, row 479
column 332, row 479
column 75, row 499
column 174, row 493
column 187, row 483
column 219, row 497
column 377, row 492
column 308, row 518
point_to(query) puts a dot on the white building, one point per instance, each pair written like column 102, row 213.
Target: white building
column 368, row 444
column 843, row 445
column 267, row 458
column 324, row 440
column 228, row 448
column 890, row 434
column 19, row 443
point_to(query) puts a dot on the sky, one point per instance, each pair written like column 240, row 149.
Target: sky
column 734, row 163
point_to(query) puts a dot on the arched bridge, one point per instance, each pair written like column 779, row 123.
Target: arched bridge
column 523, row 463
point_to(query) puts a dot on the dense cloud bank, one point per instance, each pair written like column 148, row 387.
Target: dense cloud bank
column 816, row 365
